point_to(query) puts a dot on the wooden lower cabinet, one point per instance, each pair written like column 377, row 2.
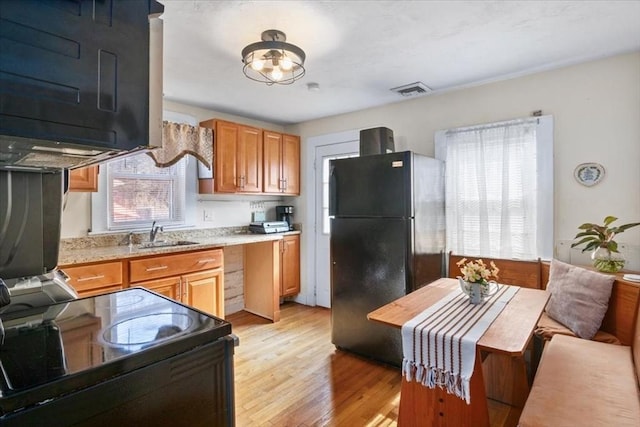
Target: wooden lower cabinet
column 95, row 279
column 271, row 271
column 193, row 278
column 262, row 279
column 205, row 291
column 169, row 287
column 290, row 266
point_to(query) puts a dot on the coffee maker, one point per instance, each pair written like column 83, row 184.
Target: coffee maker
column 285, row 213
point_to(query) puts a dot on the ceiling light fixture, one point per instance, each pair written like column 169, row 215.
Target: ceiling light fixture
column 272, row 60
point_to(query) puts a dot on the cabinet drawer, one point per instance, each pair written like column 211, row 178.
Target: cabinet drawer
column 174, row 265
column 88, row 277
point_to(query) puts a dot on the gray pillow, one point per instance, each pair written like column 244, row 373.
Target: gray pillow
column 579, row 297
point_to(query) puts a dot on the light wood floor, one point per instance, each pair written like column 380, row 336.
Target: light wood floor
column 289, row 374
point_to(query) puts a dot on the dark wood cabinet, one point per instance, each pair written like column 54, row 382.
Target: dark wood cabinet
column 76, row 72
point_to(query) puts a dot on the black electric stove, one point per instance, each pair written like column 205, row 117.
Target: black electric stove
column 135, row 342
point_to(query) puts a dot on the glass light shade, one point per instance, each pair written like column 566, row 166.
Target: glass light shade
column 257, row 64
column 276, row 74
column 273, row 61
column 286, row 64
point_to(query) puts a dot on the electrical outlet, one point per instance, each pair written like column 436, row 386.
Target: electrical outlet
column 207, row 215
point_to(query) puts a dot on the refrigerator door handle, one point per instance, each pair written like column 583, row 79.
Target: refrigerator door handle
column 333, row 197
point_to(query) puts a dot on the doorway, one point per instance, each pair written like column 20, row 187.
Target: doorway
column 323, row 154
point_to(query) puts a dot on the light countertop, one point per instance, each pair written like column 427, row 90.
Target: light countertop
column 86, row 252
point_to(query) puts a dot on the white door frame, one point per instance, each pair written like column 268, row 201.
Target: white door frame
column 322, row 251
column 309, row 245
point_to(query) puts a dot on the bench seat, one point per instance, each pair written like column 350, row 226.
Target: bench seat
column 548, row 327
column 582, row 382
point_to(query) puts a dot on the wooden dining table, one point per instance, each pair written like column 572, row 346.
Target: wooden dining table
column 500, row 370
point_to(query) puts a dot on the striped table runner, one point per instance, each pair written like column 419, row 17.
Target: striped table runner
column 439, row 344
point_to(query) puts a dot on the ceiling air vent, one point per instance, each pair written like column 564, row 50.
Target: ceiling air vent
column 412, row 89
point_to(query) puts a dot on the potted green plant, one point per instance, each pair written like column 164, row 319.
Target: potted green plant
column 599, row 239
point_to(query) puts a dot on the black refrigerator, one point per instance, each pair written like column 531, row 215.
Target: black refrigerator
column 387, row 240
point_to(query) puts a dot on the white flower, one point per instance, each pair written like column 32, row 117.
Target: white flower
column 477, row 271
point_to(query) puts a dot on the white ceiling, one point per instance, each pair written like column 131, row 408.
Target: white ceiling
column 358, row 50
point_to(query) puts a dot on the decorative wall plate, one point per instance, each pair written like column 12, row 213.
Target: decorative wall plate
column 589, row 173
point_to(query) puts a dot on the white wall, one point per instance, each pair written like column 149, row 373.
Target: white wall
column 596, row 110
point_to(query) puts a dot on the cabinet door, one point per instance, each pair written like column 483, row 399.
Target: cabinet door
column 84, row 179
column 205, row 291
column 249, row 160
column 169, row 287
column 272, row 162
column 291, row 164
column 157, row 267
column 225, row 141
column 76, row 72
column 95, row 279
column 290, row 266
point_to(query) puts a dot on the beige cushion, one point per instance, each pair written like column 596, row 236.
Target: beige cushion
column 547, row 328
column 583, row 383
column 579, row 297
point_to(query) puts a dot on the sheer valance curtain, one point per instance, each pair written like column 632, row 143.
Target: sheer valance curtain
column 499, row 189
column 180, row 139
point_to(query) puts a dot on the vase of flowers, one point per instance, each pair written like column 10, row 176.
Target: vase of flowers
column 599, row 240
column 475, row 280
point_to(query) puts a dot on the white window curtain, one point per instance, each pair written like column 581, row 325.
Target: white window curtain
column 494, row 191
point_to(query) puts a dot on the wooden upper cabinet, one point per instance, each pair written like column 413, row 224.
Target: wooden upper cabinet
column 281, row 163
column 225, row 146
column 291, row 164
column 237, row 158
column 252, row 160
column 272, row 162
column 84, row 179
column 249, row 160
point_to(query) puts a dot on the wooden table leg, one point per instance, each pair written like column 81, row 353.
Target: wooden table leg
column 422, row 406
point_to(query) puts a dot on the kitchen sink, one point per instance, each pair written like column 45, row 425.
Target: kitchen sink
column 165, row 244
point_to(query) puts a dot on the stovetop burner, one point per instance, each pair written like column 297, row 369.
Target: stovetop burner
column 147, row 329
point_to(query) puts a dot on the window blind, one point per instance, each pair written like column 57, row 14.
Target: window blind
column 139, row 193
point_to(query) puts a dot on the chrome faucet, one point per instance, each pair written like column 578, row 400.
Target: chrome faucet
column 154, row 231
